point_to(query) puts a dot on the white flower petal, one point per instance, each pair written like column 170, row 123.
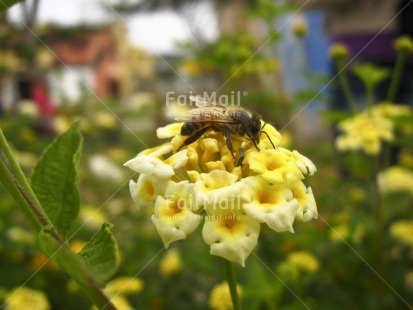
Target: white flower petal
column 150, row 165
column 232, row 243
column 172, row 227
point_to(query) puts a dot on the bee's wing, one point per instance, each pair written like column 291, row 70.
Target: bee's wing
column 203, row 103
column 210, row 114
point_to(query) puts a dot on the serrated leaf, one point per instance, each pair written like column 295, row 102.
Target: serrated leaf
column 7, row 4
column 73, row 265
column 101, row 254
column 54, row 180
column 63, row 256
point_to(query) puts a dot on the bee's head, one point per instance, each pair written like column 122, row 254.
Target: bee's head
column 254, row 129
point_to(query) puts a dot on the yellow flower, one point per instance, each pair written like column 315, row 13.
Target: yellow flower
column 220, row 298
column 305, row 261
column 274, row 166
column 396, row 179
column 338, row 233
column 171, row 263
column 403, row 231
column 234, row 192
column 270, row 204
column 146, row 189
column 173, row 217
column 307, row 208
column 92, row 217
column 231, row 234
column 150, row 165
column 26, row 298
column 77, row 245
column 364, row 131
column 387, row 109
column 124, row 286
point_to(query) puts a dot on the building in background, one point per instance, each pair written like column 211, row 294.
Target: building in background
column 78, row 61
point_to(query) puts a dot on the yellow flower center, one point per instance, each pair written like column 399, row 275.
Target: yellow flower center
column 148, row 189
column 175, row 207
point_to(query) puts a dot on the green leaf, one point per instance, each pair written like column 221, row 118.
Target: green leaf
column 73, row 265
column 61, row 255
column 7, row 4
column 54, row 180
column 369, row 74
column 101, row 254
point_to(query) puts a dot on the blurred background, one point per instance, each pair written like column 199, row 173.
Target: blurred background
column 110, row 64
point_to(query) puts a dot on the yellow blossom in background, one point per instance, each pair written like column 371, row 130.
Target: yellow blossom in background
column 230, row 195
column 61, row 123
column 77, row 245
column 124, row 286
column 92, row 217
column 408, row 280
column 220, row 298
column 338, row 233
column 396, row 179
column 406, row 159
column 299, row 26
column 26, row 298
column 367, row 130
column 403, row 232
column 364, row 131
column 304, row 261
column 388, row 109
column 105, row 120
column 171, row 263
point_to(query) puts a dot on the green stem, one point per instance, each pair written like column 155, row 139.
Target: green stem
column 232, row 284
column 379, row 230
column 19, row 188
column 342, row 77
column 370, row 95
column 396, row 76
column 16, row 183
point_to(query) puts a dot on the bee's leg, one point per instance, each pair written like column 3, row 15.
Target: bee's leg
column 227, row 135
column 195, row 136
column 255, row 144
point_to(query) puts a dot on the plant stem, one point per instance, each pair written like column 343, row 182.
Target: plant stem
column 370, row 95
column 395, row 80
column 16, row 183
column 18, row 186
column 379, row 230
column 342, row 77
column 232, row 284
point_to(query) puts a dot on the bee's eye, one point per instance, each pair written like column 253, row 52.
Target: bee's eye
column 255, row 127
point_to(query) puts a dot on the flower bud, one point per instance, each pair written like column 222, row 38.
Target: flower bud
column 338, row 51
column 403, row 44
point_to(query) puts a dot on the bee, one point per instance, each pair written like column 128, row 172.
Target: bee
column 228, row 120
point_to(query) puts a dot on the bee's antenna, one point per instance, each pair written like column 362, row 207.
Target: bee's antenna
column 265, row 123
column 268, row 137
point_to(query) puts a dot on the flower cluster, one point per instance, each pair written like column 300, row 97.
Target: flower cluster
column 233, row 194
column 304, row 261
column 403, row 231
column 220, row 297
column 366, row 130
column 396, row 179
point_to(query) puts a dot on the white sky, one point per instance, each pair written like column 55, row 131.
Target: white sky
column 157, row 32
